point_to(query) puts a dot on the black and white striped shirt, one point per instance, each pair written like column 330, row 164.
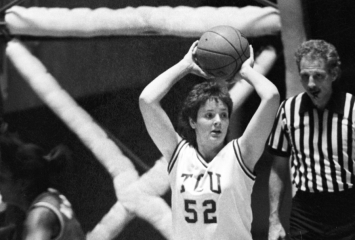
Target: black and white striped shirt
column 321, row 143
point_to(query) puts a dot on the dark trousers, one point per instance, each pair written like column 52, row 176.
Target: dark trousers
column 323, row 216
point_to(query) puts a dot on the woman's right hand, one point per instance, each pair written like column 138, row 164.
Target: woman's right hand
column 189, row 59
column 249, row 63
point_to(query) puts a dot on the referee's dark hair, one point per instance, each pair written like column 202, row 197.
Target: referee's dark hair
column 316, row 49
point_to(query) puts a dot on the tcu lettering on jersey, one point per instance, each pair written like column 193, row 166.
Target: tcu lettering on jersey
column 211, row 181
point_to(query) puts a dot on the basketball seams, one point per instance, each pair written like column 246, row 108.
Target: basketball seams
column 239, row 34
column 221, row 54
column 229, row 43
column 245, row 50
column 221, row 67
column 239, row 41
column 215, row 52
column 220, row 50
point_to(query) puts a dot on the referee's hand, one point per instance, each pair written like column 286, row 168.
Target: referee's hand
column 276, row 231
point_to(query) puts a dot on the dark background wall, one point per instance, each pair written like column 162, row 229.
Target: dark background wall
column 334, row 22
column 106, row 76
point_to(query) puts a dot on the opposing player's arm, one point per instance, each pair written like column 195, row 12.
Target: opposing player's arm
column 157, row 122
column 41, row 224
column 253, row 140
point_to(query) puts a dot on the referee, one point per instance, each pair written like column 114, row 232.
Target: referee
column 315, row 131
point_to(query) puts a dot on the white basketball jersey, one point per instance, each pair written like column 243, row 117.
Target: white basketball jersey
column 210, row 200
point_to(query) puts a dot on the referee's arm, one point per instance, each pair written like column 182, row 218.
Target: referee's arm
column 279, row 177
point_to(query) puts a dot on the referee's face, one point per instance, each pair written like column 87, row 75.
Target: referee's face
column 316, row 80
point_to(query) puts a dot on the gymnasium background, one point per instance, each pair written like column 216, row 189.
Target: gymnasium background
column 106, row 76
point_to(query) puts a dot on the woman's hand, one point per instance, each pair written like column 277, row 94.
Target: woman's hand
column 190, row 60
column 249, row 63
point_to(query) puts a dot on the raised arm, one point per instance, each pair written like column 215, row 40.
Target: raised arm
column 157, row 122
column 241, row 89
column 253, row 140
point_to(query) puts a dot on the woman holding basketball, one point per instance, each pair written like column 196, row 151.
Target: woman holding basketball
column 211, row 179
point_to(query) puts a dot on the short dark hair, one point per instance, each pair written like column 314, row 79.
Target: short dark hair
column 320, row 49
column 195, row 99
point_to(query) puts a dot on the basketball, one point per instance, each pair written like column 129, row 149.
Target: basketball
column 221, row 51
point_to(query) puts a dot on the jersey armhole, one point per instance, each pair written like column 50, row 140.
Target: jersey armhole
column 175, row 155
column 276, row 152
column 239, row 157
column 56, row 212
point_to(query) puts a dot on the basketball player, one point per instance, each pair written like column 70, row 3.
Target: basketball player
column 315, row 131
column 24, row 182
column 211, row 179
